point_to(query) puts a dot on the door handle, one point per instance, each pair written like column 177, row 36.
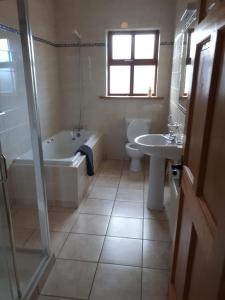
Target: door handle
column 3, row 169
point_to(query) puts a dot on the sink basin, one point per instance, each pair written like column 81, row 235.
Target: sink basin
column 158, row 145
column 159, row 148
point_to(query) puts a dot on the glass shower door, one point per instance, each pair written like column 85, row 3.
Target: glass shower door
column 8, row 284
column 23, row 200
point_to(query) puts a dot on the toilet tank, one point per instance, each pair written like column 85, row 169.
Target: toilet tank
column 129, row 120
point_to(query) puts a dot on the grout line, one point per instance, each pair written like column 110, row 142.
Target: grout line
column 111, row 236
column 95, row 214
column 105, row 236
column 102, row 263
column 143, row 223
column 110, row 216
column 53, row 297
column 28, row 238
column 113, row 264
column 68, row 233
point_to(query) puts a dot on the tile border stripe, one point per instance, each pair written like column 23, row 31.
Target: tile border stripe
column 65, row 45
column 9, row 29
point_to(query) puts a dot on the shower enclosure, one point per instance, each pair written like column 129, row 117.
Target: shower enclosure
column 21, row 259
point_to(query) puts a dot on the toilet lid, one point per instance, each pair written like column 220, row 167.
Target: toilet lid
column 137, row 128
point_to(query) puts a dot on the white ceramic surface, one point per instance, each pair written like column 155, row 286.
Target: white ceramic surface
column 135, row 127
column 159, row 148
column 158, row 145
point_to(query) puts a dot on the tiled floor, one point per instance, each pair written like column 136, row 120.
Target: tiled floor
column 115, row 248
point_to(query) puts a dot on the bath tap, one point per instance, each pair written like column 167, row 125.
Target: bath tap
column 74, row 133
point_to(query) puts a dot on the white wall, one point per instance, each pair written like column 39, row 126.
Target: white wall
column 14, row 125
column 92, row 19
column 42, row 15
column 57, row 68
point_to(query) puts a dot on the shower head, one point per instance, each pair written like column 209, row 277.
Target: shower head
column 77, row 34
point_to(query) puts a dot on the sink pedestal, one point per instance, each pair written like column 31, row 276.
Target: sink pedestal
column 156, row 183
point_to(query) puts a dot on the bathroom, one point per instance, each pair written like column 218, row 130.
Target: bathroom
column 139, row 228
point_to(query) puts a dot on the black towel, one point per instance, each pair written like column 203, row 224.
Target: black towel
column 87, row 151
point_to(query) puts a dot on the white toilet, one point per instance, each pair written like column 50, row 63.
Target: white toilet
column 135, row 128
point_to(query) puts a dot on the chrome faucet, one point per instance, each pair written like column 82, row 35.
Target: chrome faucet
column 74, row 129
column 173, row 128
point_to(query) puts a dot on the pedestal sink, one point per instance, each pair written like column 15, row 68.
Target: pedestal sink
column 159, row 148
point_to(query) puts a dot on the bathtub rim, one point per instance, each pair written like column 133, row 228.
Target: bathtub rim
column 71, row 161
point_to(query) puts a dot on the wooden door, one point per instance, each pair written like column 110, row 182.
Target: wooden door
column 198, row 267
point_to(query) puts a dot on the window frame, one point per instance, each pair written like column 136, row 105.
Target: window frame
column 132, row 61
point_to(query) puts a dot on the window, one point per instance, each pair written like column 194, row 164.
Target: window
column 132, row 62
column 7, row 82
column 188, row 67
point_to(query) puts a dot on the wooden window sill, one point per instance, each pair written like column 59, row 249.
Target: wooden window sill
column 183, row 98
column 132, row 97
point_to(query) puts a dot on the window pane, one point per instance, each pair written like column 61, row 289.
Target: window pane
column 119, row 79
column 144, row 46
column 121, row 46
column 4, row 51
column 188, row 78
column 144, row 78
column 6, row 81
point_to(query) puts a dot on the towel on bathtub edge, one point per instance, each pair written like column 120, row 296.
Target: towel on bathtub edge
column 87, row 151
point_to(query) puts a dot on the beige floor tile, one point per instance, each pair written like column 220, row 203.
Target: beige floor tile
column 128, row 209
column 126, row 164
column 156, row 230
column 70, row 279
column 91, row 224
column 155, row 284
column 112, row 164
column 82, row 247
column 132, row 176
column 126, row 167
column 57, row 239
column 27, row 264
column 105, row 193
column 97, row 206
column 110, row 173
column 21, row 235
column 61, row 221
column 127, row 184
column 156, row 254
column 116, row 282
column 61, row 209
column 26, row 218
column 122, row 251
column 130, row 195
column 107, row 181
column 125, row 227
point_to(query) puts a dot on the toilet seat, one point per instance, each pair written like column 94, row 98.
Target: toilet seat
column 132, row 146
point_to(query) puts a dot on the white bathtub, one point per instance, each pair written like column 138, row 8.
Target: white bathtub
column 60, row 149
column 65, row 172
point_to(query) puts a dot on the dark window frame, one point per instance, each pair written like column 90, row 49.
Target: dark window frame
column 132, row 62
